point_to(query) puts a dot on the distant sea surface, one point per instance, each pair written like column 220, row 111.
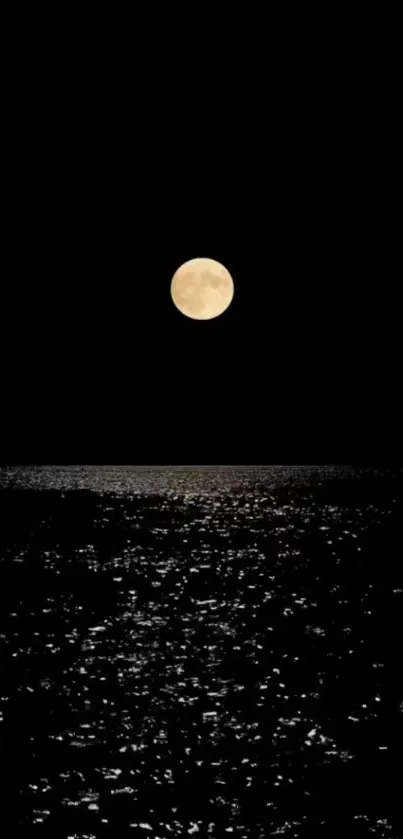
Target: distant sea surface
column 201, row 651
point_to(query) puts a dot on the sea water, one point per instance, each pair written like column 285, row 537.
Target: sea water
column 200, row 651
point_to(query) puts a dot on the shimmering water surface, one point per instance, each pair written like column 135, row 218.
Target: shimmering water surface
column 206, row 651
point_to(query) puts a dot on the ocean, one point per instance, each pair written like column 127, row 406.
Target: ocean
column 207, row 651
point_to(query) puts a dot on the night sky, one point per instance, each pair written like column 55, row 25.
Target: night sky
column 294, row 199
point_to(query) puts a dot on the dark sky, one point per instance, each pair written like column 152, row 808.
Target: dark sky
column 97, row 364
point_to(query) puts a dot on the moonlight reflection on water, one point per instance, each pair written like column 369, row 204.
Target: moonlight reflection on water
column 208, row 652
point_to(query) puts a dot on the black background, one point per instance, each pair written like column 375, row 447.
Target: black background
column 287, row 179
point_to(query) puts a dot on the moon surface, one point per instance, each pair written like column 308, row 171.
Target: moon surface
column 202, row 289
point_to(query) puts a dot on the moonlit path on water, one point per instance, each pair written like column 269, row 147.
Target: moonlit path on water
column 200, row 652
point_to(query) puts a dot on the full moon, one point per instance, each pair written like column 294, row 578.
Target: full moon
column 202, row 289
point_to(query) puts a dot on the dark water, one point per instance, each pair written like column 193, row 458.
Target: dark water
column 201, row 652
